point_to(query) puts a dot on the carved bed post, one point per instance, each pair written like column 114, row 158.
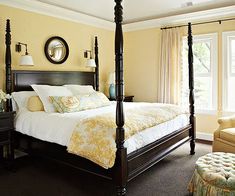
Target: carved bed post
column 97, row 65
column 120, row 168
column 191, row 90
column 8, row 64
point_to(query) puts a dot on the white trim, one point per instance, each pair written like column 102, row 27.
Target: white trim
column 209, row 112
column 58, row 12
column 214, row 69
column 204, row 136
column 66, row 14
column 227, row 113
column 211, row 14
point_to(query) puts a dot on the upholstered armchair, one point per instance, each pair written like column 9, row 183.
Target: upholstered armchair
column 224, row 136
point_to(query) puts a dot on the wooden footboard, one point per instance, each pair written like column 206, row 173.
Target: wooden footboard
column 137, row 161
column 142, row 159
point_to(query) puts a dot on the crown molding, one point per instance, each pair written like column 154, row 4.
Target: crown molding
column 58, row 12
column 66, row 14
column 211, row 14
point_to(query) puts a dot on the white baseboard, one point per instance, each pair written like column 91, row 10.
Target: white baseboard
column 204, row 136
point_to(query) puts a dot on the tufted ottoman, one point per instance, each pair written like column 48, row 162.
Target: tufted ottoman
column 214, row 175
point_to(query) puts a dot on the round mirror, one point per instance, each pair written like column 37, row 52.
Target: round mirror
column 56, row 50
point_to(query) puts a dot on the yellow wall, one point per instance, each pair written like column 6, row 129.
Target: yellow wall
column 142, row 60
column 34, row 29
column 141, row 55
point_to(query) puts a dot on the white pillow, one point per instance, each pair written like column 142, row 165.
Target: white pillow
column 21, row 99
column 80, row 89
column 44, row 91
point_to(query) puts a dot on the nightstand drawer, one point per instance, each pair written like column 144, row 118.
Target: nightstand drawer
column 4, row 136
column 6, row 122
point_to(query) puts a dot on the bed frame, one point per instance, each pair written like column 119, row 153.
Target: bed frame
column 126, row 166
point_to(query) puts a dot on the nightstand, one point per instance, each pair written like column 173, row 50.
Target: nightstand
column 6, row 136
column 126, row 99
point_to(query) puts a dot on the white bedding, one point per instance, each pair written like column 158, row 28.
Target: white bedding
column 58, row 128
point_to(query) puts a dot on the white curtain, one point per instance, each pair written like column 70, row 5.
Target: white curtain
column 169, row 67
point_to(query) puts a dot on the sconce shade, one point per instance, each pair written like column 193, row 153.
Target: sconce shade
column 91, row 63
column 112, row 78
column 26, row 60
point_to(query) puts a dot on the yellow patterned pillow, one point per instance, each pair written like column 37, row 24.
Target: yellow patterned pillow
column 66, row 104
column 34, row 104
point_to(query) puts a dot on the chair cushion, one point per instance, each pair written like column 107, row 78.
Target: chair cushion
column 228, row 134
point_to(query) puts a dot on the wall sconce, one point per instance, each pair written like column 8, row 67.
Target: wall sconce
column 24, row 59
column 90, row 61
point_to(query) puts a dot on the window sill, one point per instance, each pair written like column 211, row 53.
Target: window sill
column 209, row 112
column 227, row 113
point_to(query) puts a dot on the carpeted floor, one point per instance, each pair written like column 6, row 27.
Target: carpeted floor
column 41, row 177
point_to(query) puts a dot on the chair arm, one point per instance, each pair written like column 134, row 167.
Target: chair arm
column 226, row 122
column 217, row 134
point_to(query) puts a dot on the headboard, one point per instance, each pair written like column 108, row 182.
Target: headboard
column 23, row 79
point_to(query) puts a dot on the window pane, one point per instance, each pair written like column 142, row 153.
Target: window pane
column 203, row 92
column 203, row 47
column 229, row 72
column 202, row 56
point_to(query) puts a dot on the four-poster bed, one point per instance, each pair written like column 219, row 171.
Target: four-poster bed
column 127, row 166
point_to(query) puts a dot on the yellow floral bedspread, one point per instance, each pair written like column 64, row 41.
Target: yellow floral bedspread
column 94, row 137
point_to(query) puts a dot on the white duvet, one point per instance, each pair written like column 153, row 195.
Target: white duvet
column 58, row 128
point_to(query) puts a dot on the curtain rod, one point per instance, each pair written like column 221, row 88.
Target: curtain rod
column 200, row 23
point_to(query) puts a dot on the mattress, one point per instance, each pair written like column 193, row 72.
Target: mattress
column 57, row 128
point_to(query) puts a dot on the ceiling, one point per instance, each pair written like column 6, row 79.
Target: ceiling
column 138, row 10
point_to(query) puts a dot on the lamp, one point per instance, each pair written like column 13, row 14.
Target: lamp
column 90, row 61
column 111, row 82
column 24, row 59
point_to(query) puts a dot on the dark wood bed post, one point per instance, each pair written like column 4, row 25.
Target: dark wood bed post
column 97, row 65
column 120, row 173
column 8, row 65
column 191, row 90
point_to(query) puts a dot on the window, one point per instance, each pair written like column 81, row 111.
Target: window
column 205, row 72
column 228, row 71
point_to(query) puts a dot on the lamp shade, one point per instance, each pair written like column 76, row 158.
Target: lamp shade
column 26, row 60
column 91, row 63
column 112, row 78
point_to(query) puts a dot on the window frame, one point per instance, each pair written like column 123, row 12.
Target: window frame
column 226, row 70
column 213, row 70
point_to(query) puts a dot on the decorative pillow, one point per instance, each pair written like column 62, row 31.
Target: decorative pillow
column 44, row 91
column 35, row 104
column 94, row 100
column 21, row 99
column 80, row 89
column 65, row 104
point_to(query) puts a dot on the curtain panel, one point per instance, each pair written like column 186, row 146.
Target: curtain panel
column 169, row 67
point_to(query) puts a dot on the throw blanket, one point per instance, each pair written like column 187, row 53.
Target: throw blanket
column 94, row 137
